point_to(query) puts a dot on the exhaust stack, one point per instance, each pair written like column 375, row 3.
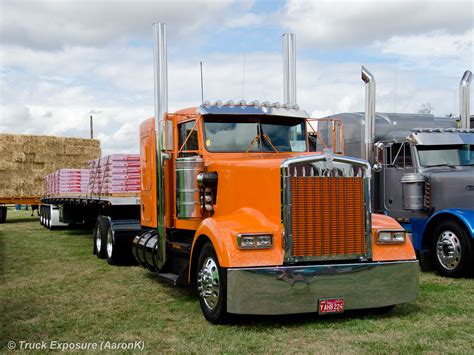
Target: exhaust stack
column 289, row 69
column 161, row 108
column 369, row 134
column 464, row 100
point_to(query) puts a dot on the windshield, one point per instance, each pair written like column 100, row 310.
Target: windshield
column 254, row 134
column 440, row 155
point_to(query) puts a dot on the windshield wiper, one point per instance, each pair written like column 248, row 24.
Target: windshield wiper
column 258, row 137
column 252, row 142
column 267, row 139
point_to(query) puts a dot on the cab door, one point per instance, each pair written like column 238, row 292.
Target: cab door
column 148, row 208
column 397, row 162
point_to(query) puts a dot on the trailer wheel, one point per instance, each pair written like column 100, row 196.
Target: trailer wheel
column 212, row 286
column 100, row 237
column 41, row 215
column 452, row 249
column 48, row 218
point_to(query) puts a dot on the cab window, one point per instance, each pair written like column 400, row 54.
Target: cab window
column 398, row 155
column 187, row 139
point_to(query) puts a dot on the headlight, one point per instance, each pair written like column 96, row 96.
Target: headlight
column 391, row 237
column 254, row 241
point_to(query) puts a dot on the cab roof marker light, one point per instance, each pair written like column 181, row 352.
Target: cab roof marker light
column 296, row 107
column 255, row 103
column 266, row 104
column 276, row 105
column 230, row 103
column 218, row 103
column 242, row 103
column 206, row 103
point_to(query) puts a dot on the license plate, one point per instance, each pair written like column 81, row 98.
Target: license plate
column 331, row 305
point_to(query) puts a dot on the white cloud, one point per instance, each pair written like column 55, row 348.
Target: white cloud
column 437, row 50
column 51, row 24
column 351, row 23
column 248, row 19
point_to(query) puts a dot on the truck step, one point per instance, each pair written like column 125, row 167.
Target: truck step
column 180, row 247
column 168, row 277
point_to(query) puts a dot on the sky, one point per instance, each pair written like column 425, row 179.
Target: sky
column 63, row 60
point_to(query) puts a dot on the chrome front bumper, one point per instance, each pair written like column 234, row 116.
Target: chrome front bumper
column 297, row 289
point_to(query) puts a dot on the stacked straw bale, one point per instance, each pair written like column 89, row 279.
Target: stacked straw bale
column 25, row 160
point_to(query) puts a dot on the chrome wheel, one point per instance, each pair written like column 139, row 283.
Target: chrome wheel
column 208, row 283
column 448, row 250
column 110, row 245
column 98, row 241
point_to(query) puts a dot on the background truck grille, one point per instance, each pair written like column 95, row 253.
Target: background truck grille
column 328, row 217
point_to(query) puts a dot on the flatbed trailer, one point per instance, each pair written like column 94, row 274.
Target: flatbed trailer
column 113, row 217
column 17, row 200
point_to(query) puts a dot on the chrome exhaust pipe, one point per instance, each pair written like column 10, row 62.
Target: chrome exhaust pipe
column 161, row 108
column 464, row 100
column 289, row 69
column 369, row 132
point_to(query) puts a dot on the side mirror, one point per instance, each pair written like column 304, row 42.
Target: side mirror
column 377, row 167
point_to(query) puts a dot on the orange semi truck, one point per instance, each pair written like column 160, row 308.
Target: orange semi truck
column 233, row 202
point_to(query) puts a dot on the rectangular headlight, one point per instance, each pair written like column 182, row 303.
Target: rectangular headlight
column 391, row 237
column 254, row 241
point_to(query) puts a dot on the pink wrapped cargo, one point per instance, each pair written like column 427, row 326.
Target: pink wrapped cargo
column 115, row 174
column 67, row 181
column 112, row 174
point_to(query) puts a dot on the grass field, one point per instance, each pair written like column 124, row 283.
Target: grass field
column 53, row 288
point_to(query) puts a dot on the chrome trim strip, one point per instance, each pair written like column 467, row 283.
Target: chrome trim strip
column 286, row 204
column 297, row 289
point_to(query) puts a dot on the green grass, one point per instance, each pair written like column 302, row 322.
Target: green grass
column 53, row 288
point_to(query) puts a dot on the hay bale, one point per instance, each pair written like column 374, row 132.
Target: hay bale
column 25, row 160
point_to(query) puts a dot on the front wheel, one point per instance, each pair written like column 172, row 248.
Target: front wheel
column 212, row 286
column 452, row 249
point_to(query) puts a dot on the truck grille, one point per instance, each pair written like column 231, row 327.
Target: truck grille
column 326, row 208
column 328, row 216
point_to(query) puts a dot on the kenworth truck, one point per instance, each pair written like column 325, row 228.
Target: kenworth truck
column 233, row 202
column 424, row 178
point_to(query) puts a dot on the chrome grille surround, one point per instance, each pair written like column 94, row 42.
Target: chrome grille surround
column 324, row 165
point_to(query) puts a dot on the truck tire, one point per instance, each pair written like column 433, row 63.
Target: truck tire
column 3, row 214
column 113, row 251
column 452, row 250
column 100, row 237
column 48, row 218
column 41, row 215
column 212, row 286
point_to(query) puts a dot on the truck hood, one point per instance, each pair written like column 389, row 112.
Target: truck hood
column 451, row 189
column 251, row 182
